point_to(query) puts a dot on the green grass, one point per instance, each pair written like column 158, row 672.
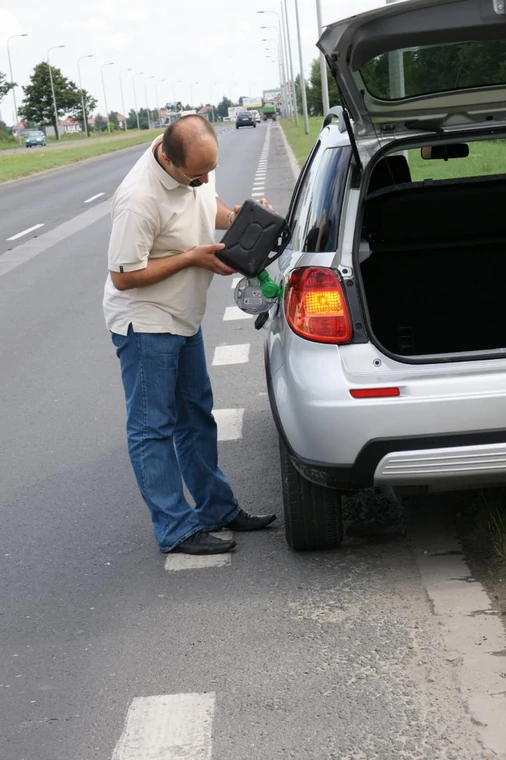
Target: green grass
column 484, row 157
column 24, row 162
column 300, row 142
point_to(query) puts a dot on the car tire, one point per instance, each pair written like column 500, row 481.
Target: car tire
column 237, row 127
column 313, row 513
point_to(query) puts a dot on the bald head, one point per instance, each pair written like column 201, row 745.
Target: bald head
column 187, row 139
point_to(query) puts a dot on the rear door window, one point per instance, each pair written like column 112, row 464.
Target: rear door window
column 321, row 226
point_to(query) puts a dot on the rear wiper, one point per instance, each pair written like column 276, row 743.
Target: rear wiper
column 424, row 126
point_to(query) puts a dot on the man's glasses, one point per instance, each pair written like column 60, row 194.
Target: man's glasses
column 198, row 177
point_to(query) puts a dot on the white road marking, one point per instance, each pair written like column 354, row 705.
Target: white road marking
column 233, row 312
column 235, row 282
column 238, row 354
column 179, row 561
column 25, row 232
column 33, row 247
column 229, row 423
column 256, row 195
column 94, row 197
column 169, row 726
column 259, row 183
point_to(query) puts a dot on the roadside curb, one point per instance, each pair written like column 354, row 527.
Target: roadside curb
column 470, row 627
column 294, row 164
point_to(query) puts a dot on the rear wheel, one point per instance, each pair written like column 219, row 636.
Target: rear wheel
column 313, row 513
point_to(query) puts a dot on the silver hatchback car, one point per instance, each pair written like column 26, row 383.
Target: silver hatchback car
column 386, row 354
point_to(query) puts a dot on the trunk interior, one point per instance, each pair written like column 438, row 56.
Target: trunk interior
column 433, row 262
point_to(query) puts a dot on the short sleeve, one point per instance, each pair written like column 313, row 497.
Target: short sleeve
column 131, row 241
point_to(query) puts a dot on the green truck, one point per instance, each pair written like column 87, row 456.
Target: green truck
column 269, row 111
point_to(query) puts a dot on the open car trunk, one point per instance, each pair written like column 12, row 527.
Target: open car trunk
column 434, row 267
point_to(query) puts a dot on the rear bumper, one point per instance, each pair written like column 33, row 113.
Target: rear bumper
column 476, row 463
column 436, row 461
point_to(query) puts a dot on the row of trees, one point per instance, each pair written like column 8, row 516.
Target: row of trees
column 37, row 106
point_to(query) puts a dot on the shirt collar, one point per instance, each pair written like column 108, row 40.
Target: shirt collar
column 167, row 181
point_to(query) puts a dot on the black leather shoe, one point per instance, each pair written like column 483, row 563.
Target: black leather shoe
column 244, row 521
column 203, row 543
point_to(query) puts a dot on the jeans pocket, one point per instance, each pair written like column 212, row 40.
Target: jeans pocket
column 118, row 340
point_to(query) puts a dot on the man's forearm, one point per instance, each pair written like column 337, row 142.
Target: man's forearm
column 157, row 270
column 224, row 216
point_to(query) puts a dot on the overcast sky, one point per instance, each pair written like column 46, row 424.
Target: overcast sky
column 190, row 44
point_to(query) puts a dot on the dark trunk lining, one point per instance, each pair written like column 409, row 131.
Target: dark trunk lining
column 439, row 301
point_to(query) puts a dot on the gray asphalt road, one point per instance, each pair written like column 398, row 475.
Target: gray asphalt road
column 53, row 198
column 277, row 655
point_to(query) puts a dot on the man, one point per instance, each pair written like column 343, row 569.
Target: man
column 161, row 262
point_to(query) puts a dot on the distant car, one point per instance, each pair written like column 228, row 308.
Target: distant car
column 37, row 137
column 256, row 116
column 245, row 119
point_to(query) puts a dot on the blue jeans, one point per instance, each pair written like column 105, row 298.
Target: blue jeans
column 172, row 434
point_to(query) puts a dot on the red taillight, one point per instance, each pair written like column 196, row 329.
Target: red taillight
column 376, row 393
column 316, row 307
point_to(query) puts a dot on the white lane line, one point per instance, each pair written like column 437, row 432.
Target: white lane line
column 169, row 726
column 229, row 423
column 25, row 232
column 238, row 354
column 233, row 312
column 94, row 197
column 235, row 282
column 256, row 195
column 37, row 245
column 176, row 562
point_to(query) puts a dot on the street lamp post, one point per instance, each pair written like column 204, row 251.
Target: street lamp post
column 271, row 39
column 105, row 96
column 283, row 76
column 56, row 47
column 290, row 91
column 396, row 70
column 289, row 48
column 323, row 63
column 139, row 74
column 302, row 80
column 157, row 82
column 83, row 105
column 122, row 96
column 12, row 82
column 147, row 100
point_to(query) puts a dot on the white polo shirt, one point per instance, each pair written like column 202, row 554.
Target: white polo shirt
column 154, row 216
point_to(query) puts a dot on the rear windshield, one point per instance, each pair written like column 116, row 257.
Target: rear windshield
column 438, row 68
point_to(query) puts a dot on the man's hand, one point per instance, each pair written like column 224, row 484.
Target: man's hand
column 265, row 202
column 204, row 256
